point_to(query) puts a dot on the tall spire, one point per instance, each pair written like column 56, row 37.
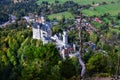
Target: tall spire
column 65, row 37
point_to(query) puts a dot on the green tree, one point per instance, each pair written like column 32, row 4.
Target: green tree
column 13, row 44
column 67, row 69
column 99, row 63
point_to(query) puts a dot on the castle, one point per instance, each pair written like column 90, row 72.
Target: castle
column 42, row 31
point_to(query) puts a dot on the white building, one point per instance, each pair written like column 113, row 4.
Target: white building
column 41, row 30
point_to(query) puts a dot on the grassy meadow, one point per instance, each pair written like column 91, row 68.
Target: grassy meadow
column 113, row 9
column 82, row 2
column 59, row 16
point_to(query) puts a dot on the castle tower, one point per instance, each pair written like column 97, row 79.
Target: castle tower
column 36, row 31
column 42, row 19
column 74, row 47
column 41, row 32
column 65, row 37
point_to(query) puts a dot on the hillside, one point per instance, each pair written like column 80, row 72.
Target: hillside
column 59, row 16
column 59, row 40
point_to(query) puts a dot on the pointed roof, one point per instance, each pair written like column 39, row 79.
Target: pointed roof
column 45, row 26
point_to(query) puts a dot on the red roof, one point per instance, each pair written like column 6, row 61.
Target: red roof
column 97, row 20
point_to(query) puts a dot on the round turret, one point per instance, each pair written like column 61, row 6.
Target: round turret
column 42, row 19
column 65, row 37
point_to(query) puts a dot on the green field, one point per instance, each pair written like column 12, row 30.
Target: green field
column 60, row 15
column 113, row 9
column 114, row 30
column 78, row 1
